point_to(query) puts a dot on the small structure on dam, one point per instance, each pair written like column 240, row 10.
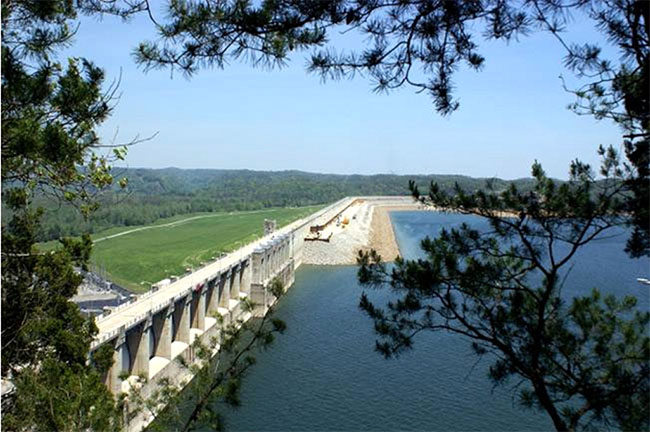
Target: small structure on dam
column 270, row 226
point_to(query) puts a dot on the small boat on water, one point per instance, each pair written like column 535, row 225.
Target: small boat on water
column 643, row 281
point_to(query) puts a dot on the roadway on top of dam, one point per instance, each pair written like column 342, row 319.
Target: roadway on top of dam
column 130, row 314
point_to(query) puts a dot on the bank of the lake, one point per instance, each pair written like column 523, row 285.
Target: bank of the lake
column 323, row 374
column 363, row 225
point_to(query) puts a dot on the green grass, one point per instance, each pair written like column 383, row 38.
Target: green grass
column 138, row 259
column 53, row 244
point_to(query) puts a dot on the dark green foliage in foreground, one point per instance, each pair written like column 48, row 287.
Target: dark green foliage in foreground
column 49, row 112
column 61, row 397
column 50, row 157
column 584, row 361
column 156, row 194
column 38, row 319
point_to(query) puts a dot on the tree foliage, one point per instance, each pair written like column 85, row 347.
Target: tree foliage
column 52, row 153
column 421, row 44
column 617, row 92
column 50, row 110
column 49, row 145
column 584, row 360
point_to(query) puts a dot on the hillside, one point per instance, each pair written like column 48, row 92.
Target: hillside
column 154, row 194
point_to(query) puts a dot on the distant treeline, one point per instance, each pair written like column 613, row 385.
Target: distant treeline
column 160, row 193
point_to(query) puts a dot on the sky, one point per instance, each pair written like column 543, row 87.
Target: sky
column 511, row 113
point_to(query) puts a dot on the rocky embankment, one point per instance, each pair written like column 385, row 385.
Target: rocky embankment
column 369, row 227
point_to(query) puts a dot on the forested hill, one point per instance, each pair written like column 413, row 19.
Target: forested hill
column 159, row 193
column 283, row 188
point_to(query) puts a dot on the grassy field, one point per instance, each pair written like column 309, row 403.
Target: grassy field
column 144, row 255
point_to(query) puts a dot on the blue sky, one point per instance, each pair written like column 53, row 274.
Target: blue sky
column 511, row 113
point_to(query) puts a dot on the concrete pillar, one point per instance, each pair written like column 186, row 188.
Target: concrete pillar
column 256, row 266
column 263, row 265
column 224, row 290
column 274, row 259
column 263, row 262
column 117, row 369
column 162, row 328
column 182, row 320
column 260, row 272
column 137, row 339
column 267, row 263
column 245, row 284
column 276, row 256
column 283, row 245
column 112, row 377
column 297, row 245
column 198, row 308
column 287, row 255
column 234, row 292
column 212, row 296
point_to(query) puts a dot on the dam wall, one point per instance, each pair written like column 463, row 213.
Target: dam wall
column 150, row 332
column 160, row 326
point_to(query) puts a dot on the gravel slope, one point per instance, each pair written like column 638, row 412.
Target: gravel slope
column 369, row 228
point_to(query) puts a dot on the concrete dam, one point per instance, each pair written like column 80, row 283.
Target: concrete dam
column 151, row 331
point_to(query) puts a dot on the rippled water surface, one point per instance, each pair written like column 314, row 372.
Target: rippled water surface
column 323, row 373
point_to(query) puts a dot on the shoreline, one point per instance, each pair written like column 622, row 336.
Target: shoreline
column 369, row 228
column 382, row 233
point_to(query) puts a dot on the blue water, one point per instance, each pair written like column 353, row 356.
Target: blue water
column 600, row 264
column 323, row 373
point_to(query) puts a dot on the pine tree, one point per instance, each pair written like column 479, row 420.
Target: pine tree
column 49, row 146
column 584, row 360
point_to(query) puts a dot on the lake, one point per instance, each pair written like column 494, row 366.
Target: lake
column 323, row 373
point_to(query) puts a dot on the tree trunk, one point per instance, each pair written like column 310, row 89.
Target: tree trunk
column 547, row 404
